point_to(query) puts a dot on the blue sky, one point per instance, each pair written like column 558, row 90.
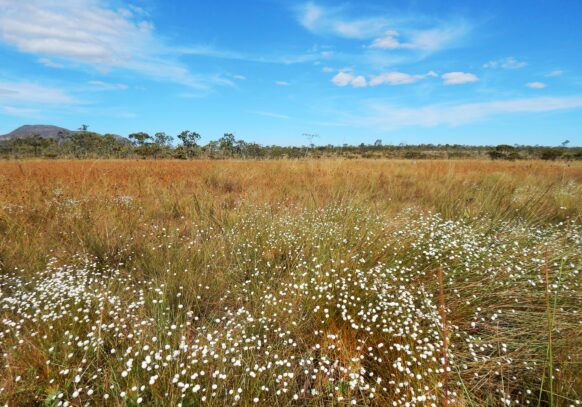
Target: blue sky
column 468, row 72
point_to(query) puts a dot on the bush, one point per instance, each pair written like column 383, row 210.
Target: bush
column 414, row 155
column 550, row 154
column 495, row 155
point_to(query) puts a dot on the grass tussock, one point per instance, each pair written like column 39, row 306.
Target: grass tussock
column 290, row 283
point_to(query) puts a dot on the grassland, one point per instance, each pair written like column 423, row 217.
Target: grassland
column 316, row 282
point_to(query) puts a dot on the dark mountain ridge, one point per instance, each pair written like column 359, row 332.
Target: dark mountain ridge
column 44, row 131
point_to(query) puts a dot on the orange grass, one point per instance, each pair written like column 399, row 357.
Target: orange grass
column 176, row 192
column 64, row 209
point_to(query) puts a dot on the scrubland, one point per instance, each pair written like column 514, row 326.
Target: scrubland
column 315, row 282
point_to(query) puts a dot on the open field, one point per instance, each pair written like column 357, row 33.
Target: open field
column 315, row 282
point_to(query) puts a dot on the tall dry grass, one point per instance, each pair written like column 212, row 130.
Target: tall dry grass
column 213, row 237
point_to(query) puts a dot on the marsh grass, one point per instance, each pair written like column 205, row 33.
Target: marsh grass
column 290, row 283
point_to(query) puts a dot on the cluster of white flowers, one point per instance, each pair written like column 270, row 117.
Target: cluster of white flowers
column 326, row 306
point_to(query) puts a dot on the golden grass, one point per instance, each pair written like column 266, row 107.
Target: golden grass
column 175, row 192
column 223, row 225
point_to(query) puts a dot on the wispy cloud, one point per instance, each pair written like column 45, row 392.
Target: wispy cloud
column 429, row 40
column 459, row 78
column 505, row 63
column 554, row 73
column 330, row 21
column 392, row 33
column 82, row 30
column 100, row 85
column 28, row 92
column 390, row 40
column 208, row 51
column 281, row 83
column 28, row 99
column 93, row 33
column 272, row 115
column 19, row 111
column 390, row 117
column 440, row 37
column 310, row 55
column 535, row 85
column 50, row 63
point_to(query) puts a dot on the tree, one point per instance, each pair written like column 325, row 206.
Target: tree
column 211, row 148
column 162, row 142
column 83, row 127
column 565, row 143
column 84, row 144
column 108, row 143
column 241, row 148
column 162, row 139
column 254, row 150
column 227, row 143
column 140, row 138
column 144, row 147
column 189, row 139
column 37, row 143
column 378, row 143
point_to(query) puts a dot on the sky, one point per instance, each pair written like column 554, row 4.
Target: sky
column 271, row 71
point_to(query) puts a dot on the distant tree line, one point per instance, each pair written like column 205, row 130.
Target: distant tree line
column 186, row 145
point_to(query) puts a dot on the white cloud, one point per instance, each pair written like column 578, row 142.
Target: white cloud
column 359, row 82
column 325, row 20
column 390, row 41
column 438, row 38
column 422, row 40
column 272, row 115
column 19, row 111
column 422, row 34
column 208, row 51
column 398, row 78
column 342, row 78
column 505, row 63
column 360, row 29
column 535, row 85
column 310, row 16
column 27, row 92
column 390, row 117
column 81, row 30
column 100, row 85
column 50, row 63
column 281, row 83
column 312, row 55
column 554, row 73
column 240, row 77
column 91, row 32
column 459, row 78
column 345, row 78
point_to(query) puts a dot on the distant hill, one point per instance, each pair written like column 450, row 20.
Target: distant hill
column 44, row 131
